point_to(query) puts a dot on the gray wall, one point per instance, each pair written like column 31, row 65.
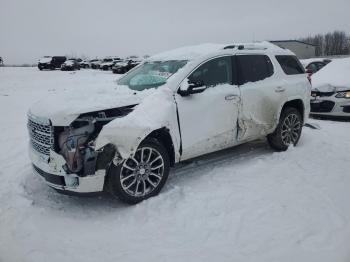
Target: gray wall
column 301, row 50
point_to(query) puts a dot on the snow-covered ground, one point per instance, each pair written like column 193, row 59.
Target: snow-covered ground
column 245, row 204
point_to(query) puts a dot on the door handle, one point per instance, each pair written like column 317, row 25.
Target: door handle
column 280, row 89
column 231, row 97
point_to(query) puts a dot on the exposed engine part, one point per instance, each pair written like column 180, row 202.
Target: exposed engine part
column 72, row 143
column 76, row 142
column 90, row 158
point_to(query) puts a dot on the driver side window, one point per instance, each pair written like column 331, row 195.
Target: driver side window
column 214, row 72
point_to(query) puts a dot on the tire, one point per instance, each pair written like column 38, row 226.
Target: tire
column 288, row 130
column 141, row 179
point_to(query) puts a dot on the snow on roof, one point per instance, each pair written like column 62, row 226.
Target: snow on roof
column 45, row 59
column 336, row 73
column 196, row 51
column 188, row 52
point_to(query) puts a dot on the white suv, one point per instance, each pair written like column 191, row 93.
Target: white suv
column 174, row 106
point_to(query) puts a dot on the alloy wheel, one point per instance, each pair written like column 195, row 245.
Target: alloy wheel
column 142, row 173
column 290, row 130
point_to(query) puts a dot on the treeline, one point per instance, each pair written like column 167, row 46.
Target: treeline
column 334, row 43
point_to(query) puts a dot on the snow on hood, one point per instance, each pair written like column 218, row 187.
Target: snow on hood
column 187, row 52
column 65, row 107
column 121, row 64
column 45, row 60
column 69, row 63
column 333, row 77
column 154, row 112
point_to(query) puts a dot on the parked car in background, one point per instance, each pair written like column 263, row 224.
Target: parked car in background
column 124, row 66
column 51, row 62
column 70, row 65
column 95, row 63
column 79, row 60
column 173, row 107
column 1, row 61
column 108, row 63
column 330, row 95
column 315, row 64
column 85, row 64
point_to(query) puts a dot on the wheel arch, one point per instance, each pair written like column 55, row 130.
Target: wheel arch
column 298, row 104
column 164, row 137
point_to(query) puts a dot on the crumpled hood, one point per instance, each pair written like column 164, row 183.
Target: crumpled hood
column 329, row 88
column 334, row 77
column 63, row 108
column 324, row 88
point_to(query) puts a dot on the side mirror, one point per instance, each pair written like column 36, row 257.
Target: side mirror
column 193, row 87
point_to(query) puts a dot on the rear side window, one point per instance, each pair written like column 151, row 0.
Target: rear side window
column 253, row 68
column 290, row 64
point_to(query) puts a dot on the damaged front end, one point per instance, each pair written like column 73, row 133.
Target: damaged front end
column 66, row 156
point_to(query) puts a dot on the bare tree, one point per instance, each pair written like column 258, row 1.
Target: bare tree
column 333, row 43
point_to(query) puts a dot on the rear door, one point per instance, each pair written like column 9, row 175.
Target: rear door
column 262, row 94
column 297, row 86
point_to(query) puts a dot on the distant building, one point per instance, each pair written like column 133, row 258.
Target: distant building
column 301, row 49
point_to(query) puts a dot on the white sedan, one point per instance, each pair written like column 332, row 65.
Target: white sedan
column 331, row 90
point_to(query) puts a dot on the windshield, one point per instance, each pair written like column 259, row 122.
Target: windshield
column 151, row 74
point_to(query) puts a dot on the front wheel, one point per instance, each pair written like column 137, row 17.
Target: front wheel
column 141, row 176
column 288, row 130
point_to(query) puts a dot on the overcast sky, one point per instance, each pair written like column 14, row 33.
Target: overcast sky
column 30, row 29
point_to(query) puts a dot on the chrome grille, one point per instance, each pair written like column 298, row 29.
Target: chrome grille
column 41, row 136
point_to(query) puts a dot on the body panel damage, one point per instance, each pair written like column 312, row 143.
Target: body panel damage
column 156, row 111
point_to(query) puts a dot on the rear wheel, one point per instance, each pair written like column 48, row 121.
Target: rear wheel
column 141, row 176
column 288, row 130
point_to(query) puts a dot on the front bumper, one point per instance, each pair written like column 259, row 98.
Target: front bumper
column 50, row 169
column 330, row 106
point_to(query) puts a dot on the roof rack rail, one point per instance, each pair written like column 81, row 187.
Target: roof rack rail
column 248, row 46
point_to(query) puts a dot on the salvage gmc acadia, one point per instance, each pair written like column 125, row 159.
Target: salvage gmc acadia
column 174, row 106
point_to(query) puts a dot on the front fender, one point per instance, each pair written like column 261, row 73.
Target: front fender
column 156, row 111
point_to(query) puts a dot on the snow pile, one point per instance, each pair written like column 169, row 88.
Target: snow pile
column 244, row 204
column 335, row 74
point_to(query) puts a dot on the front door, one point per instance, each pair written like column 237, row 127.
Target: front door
column 208, row 120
